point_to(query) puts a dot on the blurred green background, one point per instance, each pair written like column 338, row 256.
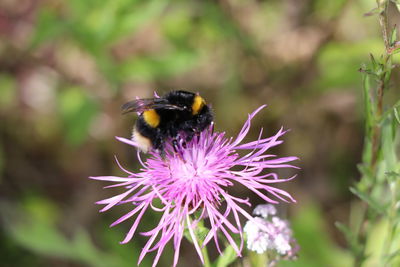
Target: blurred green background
column 66, row 67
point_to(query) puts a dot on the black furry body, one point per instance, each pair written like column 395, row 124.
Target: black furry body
column 177, row 114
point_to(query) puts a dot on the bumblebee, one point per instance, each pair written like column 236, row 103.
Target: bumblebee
column 178, row 113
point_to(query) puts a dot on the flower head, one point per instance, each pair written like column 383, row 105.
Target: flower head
column 191, row 182
column 269, row 232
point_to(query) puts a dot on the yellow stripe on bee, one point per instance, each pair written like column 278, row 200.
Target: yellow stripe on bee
column 151, row 118
column 198, row 104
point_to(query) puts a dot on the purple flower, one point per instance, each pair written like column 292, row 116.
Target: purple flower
column 191, row 185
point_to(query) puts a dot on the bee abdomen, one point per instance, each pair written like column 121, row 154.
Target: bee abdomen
column 144, row 143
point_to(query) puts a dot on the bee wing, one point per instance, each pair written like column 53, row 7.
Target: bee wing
column 140, row 105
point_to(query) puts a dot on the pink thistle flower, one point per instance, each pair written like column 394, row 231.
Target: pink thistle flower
column 192, row 183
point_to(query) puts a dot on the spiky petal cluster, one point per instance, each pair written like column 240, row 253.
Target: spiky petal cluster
column 192, row 183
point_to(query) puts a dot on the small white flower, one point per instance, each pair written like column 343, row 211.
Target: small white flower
column 264, row 210
column 257, row 240
column 270, row 233
column 281, row 244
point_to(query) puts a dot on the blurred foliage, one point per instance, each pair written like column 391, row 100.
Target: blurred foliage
column 40, row 235
column 77, row 111
column 370, row 243
column 317, row 248
column 67, row 66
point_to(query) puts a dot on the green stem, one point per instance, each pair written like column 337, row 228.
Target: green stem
column 383, row 21
column 375, row 134
column 392, row 224
column 204, row 252
column 382, row 84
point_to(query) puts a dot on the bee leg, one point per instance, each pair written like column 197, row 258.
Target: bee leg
column 190, row 134
column 175, row 145
column 212, row 127
column 159, row 146
column 184, row 144
column 162, row 153
column 178, row 139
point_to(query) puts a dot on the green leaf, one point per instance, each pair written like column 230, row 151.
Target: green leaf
column 368, row 107
column 351, row 238
column 370, row 201
column 346, row 231
column 388, row 147
column 365, row 170
column 228, row 256
column 392, row 176
column 377, row 247
column 200, row 232
column 396, row 114
column 393, row 110
column 393, row 36
column 392, row 256
column 373, row 62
